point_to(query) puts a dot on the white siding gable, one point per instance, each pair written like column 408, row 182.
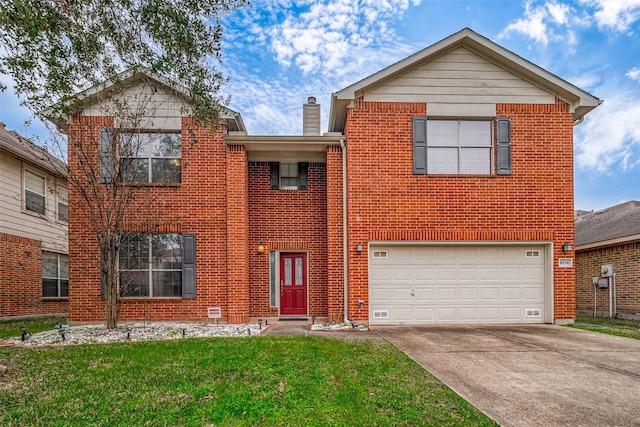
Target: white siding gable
column 459, row 77
column 154, row 103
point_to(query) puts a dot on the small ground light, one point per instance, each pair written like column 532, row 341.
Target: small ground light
column 248, row 331
column 260, row 323
column 61, row 333
column 184, row 332
column 313, row 319
column 25, row 333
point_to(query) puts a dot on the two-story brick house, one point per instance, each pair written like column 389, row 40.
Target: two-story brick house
column 442, row 193
column 33, row 229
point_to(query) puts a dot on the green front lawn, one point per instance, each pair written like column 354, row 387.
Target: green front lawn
column 11, row 328
column 257, row 381
column 622, row 328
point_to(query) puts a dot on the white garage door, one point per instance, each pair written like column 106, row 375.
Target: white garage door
column 456, row 284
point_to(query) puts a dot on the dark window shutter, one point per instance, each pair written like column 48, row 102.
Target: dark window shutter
column 503, row 131
column 420, row 145
column 188, row 266
column 107, row 162
column 303, row 176
column 274, row 175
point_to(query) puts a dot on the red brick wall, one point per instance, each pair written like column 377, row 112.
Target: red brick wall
column 198, row 205
column 388, row 202
column 626, row 265
column 21, row 279
column 335, row 236
column 288, row 220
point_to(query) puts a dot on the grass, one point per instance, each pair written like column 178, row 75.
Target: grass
column 622, row 328
column 257, row 381
column 11, row 328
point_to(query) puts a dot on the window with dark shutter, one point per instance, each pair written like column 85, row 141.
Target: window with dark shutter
column 303, row 176
column 503, row 137
column 420, row 145
column 189, row 266
column 274, row 175
column 107, row 160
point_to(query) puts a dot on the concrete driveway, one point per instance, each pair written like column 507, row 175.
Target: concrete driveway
column 531, row 375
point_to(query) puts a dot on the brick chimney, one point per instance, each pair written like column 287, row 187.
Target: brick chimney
column 311, row 117
column 3, row 126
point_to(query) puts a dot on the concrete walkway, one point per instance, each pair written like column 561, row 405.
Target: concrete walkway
column 538, row 375
column 301, row 327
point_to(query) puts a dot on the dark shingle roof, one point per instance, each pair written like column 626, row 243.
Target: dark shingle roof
column 23, row 148
column 612, row 223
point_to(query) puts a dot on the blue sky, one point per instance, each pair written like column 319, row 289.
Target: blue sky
column 279, row 52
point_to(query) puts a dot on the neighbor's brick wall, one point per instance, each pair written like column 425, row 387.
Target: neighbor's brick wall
column 21, row 279
column 198, row 205
column 288, row 220
column 626, row 265
column 388, row 202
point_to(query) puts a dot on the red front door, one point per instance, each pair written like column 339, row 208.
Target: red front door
column 293, row 283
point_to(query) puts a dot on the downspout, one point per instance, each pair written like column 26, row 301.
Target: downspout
column 344, row 231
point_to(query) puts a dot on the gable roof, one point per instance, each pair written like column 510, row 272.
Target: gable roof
column 130, row 78
column 614, row 225
column 27, row 151
column 580, row 101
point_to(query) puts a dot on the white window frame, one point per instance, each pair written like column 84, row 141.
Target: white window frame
column 58, row 277
column 150, row 269
column 62, row 201
column 289, row 175
column 430, row 145
column 25, row 189
column 145, row 152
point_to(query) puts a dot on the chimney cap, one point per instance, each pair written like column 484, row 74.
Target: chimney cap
column 311, row 100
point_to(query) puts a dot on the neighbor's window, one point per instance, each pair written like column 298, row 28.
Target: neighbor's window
column 34, row 192
column 151, row 265
column 150, row 157
column 55, row 275
column 63, row 203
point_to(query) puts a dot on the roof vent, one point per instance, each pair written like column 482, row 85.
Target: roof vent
column 311, row 100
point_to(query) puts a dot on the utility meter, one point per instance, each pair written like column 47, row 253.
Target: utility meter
column 606, row 270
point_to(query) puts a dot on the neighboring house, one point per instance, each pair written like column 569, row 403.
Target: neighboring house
column 609, row 237
column 442, row 193
column 33, row 229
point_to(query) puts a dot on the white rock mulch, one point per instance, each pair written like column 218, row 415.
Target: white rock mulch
column 91, row 334
column 337, row 327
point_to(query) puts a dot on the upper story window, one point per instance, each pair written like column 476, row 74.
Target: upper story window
column 143, row 157
column 150, row 157
column 63, row 203
column 34, row 192
column 460, row 147
column 289, row 176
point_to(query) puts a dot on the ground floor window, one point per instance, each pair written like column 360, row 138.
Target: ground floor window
column 55, row 275
column 151, row 265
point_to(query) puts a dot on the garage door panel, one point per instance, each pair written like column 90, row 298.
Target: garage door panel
column 468, row 294
column 402, row 274
column 457, row 284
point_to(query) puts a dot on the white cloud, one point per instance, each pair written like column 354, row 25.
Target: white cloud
column 546, row 21
column 585, row 81
column 615, row 14
column 634, row 74
column 610, row 135
column 321, row 39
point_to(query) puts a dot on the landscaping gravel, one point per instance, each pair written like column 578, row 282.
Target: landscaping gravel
column 90, row 334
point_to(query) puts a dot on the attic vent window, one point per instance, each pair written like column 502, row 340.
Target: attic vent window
column 532, row 254
column 533, row 312
column 380, row 254
column 381, row 314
